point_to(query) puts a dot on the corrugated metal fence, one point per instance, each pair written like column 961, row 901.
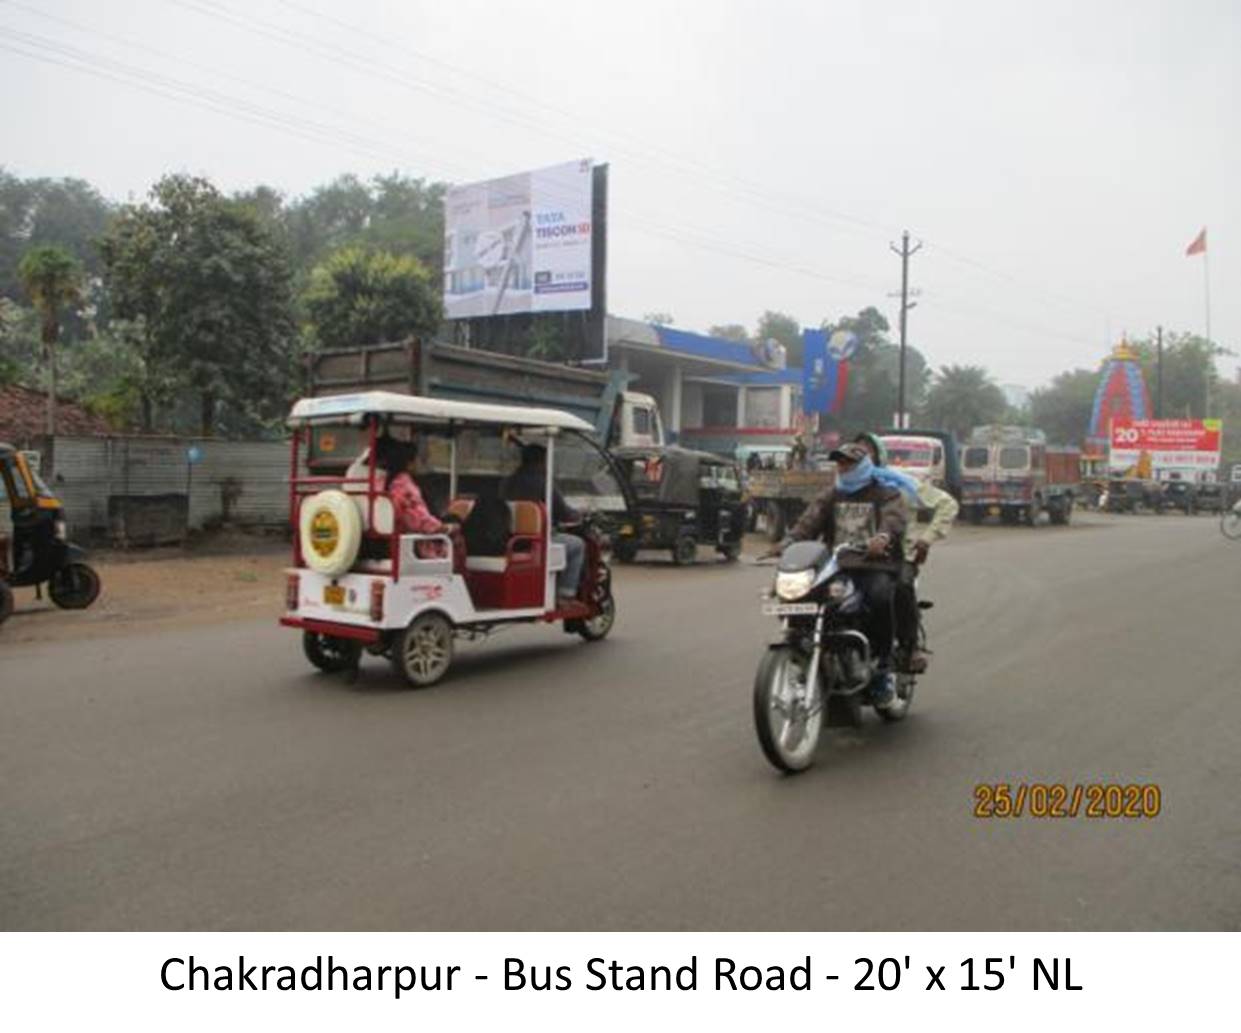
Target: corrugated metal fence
column 245, row 481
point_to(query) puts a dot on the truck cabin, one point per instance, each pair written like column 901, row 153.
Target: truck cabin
column 465, row 452
column 918, row 456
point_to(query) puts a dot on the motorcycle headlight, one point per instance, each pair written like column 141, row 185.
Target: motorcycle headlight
column 795, row 585
column 60, row 530
column 840, row 588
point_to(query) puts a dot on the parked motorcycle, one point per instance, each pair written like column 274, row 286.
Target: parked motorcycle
column 823, row 665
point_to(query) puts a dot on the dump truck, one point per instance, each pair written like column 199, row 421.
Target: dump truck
column 436, row 370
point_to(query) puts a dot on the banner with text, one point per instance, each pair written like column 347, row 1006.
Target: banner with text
column 1187, row 447
column 519, row 244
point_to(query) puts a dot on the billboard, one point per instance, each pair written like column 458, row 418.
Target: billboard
column 520, row 244
column 1182, row 446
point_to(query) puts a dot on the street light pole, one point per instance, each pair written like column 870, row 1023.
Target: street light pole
column 905, row 252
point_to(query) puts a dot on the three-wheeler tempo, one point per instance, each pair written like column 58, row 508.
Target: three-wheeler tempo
column 358, row 584
column 40, row 551
column 681, row 498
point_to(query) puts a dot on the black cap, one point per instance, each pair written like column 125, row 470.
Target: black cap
column 850, row 453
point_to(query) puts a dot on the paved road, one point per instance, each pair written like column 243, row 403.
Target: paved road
column 208, row 778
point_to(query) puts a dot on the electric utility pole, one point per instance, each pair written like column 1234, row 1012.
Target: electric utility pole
column 905, row 252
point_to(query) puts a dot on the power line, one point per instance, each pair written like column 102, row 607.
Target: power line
column 320, row 132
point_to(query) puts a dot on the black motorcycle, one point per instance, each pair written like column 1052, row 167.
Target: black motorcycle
column 823, row 665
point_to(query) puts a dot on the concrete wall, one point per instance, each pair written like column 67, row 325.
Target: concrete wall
column 87, row 471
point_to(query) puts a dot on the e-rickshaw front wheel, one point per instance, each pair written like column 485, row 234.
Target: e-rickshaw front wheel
column 422, row 653
column 592, row 629
column 74, row 586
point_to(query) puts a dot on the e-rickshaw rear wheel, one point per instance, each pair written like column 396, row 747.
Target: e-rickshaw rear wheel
column 6, row 602
column 74, row 586
column 422, row 653
column 329, row 653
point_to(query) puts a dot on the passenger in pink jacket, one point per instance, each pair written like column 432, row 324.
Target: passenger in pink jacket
column 397, row 460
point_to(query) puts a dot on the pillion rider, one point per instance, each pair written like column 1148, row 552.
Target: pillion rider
column 921, row 495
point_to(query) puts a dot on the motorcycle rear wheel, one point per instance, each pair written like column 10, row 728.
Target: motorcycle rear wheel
column 788, row 727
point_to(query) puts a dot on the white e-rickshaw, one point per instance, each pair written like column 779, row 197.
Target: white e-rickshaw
column 357, row 584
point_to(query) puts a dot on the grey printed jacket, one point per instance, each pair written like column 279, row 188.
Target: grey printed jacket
column 835, row 518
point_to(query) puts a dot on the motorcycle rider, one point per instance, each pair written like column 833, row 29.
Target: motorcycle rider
column 921, row 495
column 860, row 509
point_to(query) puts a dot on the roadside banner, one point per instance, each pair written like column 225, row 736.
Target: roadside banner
column 825, row 369
column 1174, row 446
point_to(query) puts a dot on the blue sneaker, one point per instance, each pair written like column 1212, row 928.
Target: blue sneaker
column 883, row 689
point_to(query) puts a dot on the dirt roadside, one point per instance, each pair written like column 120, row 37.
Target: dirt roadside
column 150, row 590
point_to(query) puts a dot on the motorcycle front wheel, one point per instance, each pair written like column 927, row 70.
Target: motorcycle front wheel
column 788, row 716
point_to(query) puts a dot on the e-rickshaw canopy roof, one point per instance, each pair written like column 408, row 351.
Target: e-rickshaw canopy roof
column 353, row 408
column 673, row 472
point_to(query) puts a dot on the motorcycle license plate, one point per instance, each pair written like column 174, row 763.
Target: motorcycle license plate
column 789, row 609
column 334, row 595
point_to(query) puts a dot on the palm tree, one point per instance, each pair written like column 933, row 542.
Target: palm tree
column 53, row 279
column 962, row 397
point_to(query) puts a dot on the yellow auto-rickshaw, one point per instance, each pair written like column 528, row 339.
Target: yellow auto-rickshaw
column 39, row 552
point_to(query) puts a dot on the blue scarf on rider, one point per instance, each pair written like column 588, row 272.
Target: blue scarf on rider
column 858, row 478
column 902, row 482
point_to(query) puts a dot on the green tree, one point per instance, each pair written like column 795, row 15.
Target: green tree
column 52, row 278
column 963, row 397
column 729, row 332
column 208, row 287
column 1062, row 409
column 777, row 326
column 360, row 297
column 67, row 212
column 1188, row 373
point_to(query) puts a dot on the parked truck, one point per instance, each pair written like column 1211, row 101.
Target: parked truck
column 1013, row 473
column 926, row 454
column 432, row 369
column 778, row 496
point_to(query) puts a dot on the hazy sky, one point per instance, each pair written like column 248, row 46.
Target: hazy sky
column 1055, row 158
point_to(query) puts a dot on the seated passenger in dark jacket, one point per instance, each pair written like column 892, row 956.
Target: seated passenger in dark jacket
column 529, row 482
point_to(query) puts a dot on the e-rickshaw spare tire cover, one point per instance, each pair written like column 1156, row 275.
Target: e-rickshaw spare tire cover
column 330, row 532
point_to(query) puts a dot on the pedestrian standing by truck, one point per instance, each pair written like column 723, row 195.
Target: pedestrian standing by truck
column 923, row 496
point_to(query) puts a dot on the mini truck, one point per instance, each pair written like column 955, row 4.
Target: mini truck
column 1012, row 473
column 358, row 584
